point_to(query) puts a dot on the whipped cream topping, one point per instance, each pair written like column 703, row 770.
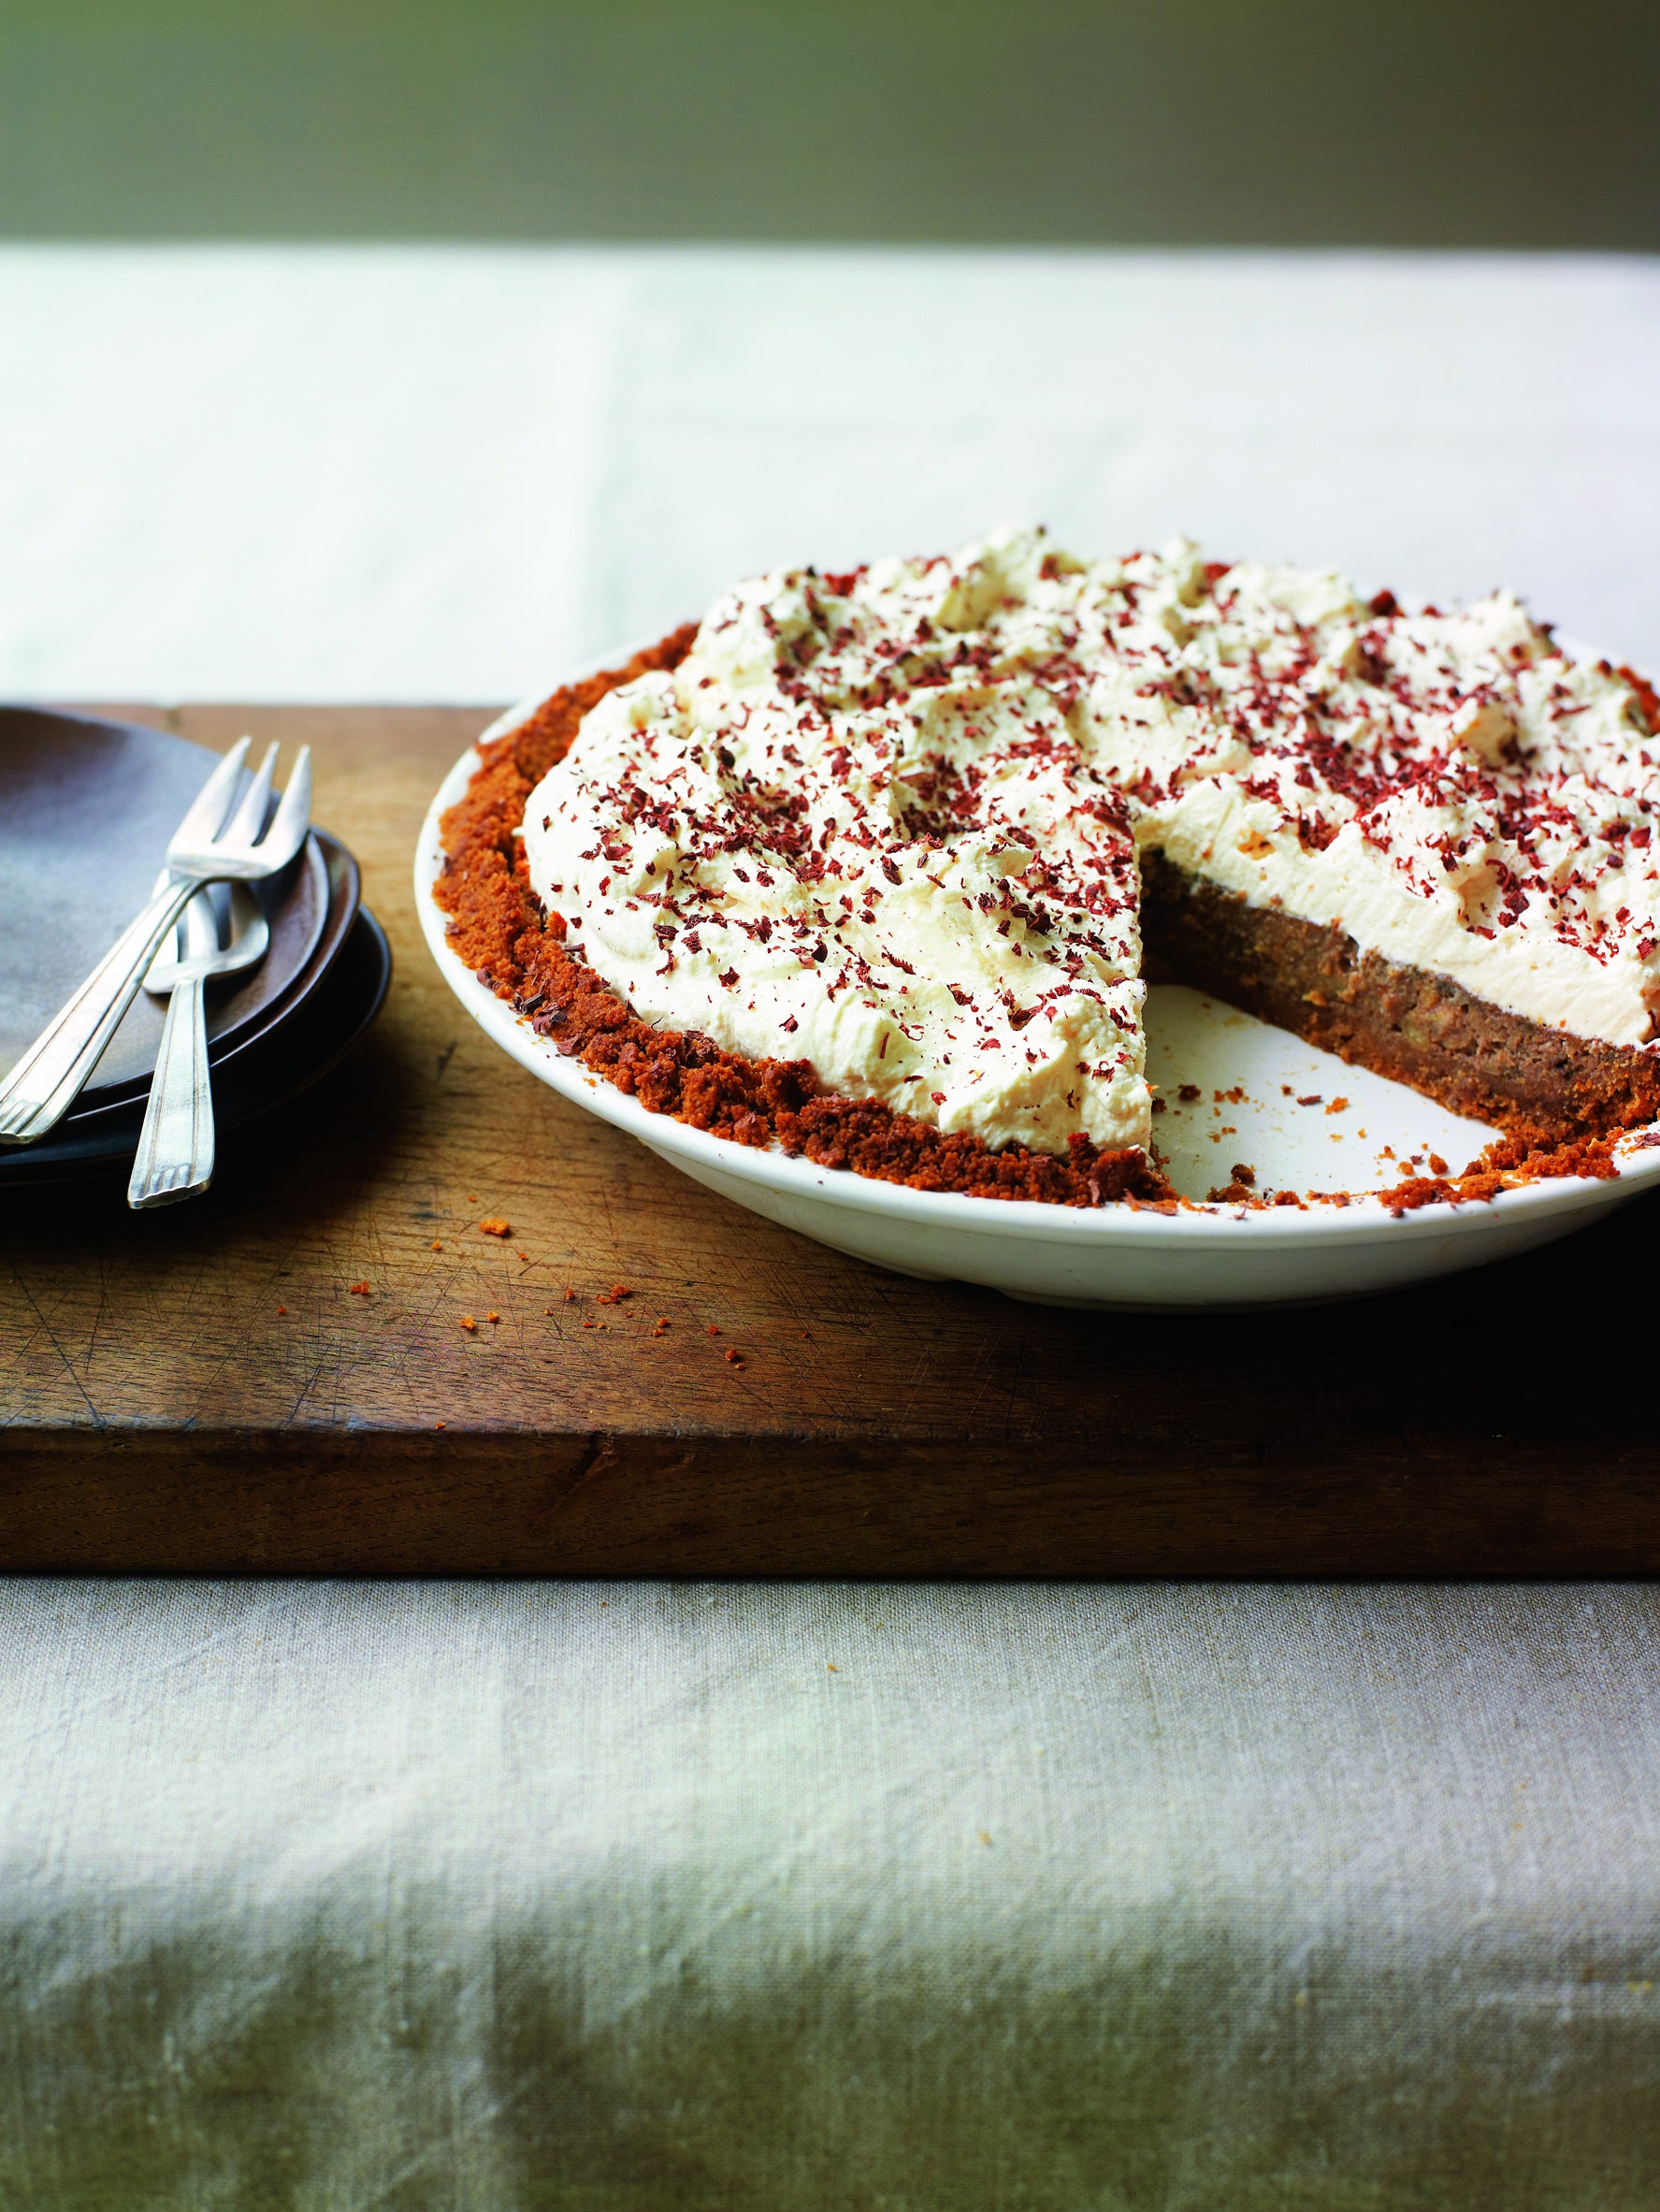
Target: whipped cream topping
column 886, row 821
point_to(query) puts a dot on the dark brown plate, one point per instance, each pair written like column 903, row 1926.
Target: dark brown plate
column 263, row 1070
column 86, row 811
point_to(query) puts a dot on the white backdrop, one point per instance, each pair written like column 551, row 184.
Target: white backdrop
column 449, row 473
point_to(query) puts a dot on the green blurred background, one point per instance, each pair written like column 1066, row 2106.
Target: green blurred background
column 1222, row 121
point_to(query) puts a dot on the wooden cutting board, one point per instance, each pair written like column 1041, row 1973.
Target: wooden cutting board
column 203, row 1390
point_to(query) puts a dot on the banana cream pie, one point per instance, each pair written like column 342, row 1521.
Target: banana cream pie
column 873, row 865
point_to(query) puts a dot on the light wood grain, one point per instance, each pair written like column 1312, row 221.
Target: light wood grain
column 161, row 1413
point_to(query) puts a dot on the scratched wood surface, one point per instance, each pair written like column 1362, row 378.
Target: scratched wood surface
column 202, row 1390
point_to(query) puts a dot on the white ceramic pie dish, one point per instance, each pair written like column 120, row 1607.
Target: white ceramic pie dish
column 1114, row 1255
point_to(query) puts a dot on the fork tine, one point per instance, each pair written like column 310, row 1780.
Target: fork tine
column 245, row 825
column 206, row 818
column 294, row 814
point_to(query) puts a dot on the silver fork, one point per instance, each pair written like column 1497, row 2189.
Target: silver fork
column 176, row 1147
column 213, row 843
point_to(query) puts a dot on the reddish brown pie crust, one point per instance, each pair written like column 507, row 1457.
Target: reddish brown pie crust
column 1562, row 1100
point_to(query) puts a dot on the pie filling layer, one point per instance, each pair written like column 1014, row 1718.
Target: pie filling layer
column 902, row 831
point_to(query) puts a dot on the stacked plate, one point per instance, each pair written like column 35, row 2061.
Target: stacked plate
column 86, row 811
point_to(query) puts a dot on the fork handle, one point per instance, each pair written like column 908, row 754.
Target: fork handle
column 46, row 1080
column 175, row 1156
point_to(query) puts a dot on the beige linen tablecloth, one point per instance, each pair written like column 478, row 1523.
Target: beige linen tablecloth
column 704, row 1898
column 435, row 474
